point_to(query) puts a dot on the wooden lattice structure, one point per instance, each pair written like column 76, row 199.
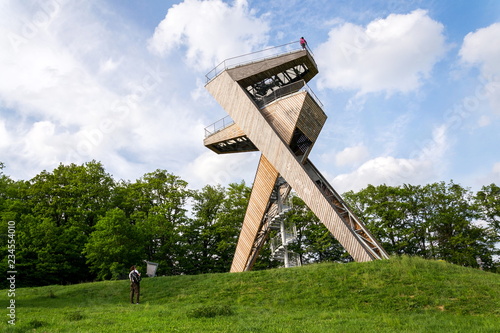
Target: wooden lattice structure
column 274, row 112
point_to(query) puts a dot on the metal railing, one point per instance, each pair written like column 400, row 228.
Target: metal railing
column 219, row 125
column 313, row 95
column 270, row 52
column 292, row 88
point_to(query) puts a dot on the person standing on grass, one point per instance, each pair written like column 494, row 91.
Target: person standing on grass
column 135, row 284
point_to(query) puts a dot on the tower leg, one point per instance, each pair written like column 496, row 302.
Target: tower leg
column 265, row 179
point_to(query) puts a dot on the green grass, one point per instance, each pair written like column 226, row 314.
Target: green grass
column 398, row 295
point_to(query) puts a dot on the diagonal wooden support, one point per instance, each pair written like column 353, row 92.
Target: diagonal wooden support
column 283, row 124
column 257, row 206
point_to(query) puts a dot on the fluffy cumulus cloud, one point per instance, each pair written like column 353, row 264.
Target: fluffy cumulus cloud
column 210, row 168
column 71, row 100
column 393, row 54
column 37, row 77
column 425, row 164
column 103, row 95
column 482, row 48
column 211, row 31
column 352, row 156
column 384, row 170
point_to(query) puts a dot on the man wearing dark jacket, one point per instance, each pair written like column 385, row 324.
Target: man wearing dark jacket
column 135, row 284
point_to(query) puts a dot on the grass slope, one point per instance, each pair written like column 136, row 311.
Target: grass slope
column 398, row 295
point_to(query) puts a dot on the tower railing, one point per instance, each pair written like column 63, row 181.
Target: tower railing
column 270, row 52
column 286, row 90
column 219, row 125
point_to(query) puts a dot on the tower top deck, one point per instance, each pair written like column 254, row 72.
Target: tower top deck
column 266, row 63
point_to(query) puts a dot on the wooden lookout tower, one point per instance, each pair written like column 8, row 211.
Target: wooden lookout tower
column 273, row 111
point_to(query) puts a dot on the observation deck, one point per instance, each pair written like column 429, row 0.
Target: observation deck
column 269, row 78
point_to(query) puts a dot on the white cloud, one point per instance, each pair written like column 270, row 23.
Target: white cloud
column 80, row 82
column 69, row 93
column 384, row 170
column 352, row 156
column 210, row 30
column 211, row 168
column 43, row 75
column 48, row 91
column 424, row 164
column 496, row 169
column 108, row 65
column 38, row 143
column 482, row 48
column 491, row 177
column 392, row 55
column 4, row 135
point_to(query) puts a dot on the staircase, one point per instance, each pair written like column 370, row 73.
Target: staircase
column 286, row 234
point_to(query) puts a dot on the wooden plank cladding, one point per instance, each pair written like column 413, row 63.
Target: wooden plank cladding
column 283, row 116
column 275, row 130
column 261, row 191
column 311, row 118
column 298, row 110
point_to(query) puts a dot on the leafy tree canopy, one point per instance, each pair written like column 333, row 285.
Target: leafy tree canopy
column 76, row 223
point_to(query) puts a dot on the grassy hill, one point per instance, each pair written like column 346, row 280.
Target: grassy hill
column 398, row 295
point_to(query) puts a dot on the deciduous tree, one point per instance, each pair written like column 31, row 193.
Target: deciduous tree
column 113, row 246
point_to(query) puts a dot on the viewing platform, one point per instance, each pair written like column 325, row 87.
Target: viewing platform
column 266, row 76
column 253, row 57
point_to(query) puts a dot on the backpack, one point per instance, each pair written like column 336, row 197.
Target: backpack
column 136, row 278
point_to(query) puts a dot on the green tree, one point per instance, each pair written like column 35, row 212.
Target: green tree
column 157, row 203
column 211, row 236
column 392, row 215
column 437, row 221
column 72, row 194
column 453, row 235
column 12, row 194
column 200, row 234
column 229, row 222
column 11, row 209
column 64, row 206
column 4, row 184
column 114, row 246
column 488, row 202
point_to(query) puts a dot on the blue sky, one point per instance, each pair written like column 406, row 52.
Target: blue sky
column 411, row 88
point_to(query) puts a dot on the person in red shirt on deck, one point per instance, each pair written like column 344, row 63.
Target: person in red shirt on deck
column 303, row 42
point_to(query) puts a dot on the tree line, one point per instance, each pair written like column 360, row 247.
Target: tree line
column 76, row 224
